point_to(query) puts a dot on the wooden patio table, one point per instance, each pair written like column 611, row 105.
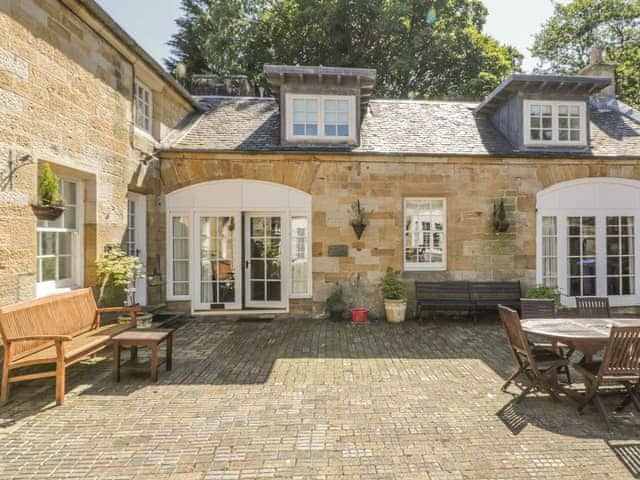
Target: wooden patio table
column 586, row 335
column 135, row 338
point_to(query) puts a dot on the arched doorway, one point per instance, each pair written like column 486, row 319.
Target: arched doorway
column 587, row 239
column 238, row 244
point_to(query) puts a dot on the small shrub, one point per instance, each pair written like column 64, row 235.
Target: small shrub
column 118, row 269
column 392, row 286
column 335, row 301
column 48, row 186
column 545, row 292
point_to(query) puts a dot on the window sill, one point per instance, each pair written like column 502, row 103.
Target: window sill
column 425, row 268
column 46, row 290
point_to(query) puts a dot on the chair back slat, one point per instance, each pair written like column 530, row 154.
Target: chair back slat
column 537, row 308
column 68, row 313
column 593, row 307
column 622, row 357
column 513, row 328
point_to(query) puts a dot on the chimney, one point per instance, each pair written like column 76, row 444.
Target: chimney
column 599, row 68
column 211, row 85
column 237, row 85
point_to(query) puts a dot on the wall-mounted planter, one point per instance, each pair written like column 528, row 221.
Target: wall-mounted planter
column 500, row 223
column 47, row 212
column 358, row 228
column 501, row 227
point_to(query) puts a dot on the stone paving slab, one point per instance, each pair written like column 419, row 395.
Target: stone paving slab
column 311, row 399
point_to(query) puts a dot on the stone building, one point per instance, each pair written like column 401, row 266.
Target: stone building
column 249, row 200
column 78, row 93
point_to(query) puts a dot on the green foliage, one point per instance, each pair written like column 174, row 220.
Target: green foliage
column 116, row 268
column 335, row 301
column 48, row 186
column 392, row 286
column 545, row 292
column 500, row 214
column 429, row 48
column 358, row 213
column 565, row 40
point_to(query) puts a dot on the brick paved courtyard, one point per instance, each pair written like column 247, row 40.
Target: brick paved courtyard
column 311, row 399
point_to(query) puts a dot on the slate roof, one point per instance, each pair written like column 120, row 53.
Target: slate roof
column 245, row 124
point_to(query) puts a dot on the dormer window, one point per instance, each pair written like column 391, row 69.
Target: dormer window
column 321, row 118
column 554, row 123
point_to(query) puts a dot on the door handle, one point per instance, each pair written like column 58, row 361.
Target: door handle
column 246, row 264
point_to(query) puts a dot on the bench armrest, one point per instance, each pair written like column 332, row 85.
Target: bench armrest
column 56, row 338
column 135, row 308
column 131, row 310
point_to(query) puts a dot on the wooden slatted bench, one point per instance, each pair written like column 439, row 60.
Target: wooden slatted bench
column 488, row 295
column 467, row 296
column 59, row 329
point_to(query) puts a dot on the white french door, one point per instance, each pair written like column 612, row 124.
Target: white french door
column 218, row 259
column 136, row 238
column 265, row 285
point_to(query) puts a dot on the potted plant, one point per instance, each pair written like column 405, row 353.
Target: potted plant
column 49, row 206
column 395, row 298
column 118, row 270
column 335, row 304
column 500, row 223
column 545, row 292
column 358, row 218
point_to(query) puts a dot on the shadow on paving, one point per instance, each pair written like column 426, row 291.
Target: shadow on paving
column 210, row 351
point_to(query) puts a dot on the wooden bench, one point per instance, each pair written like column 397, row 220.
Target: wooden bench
column 59, row 329
column 469, row 296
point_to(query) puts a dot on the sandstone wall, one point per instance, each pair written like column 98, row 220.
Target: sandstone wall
column 66, row 99
column 471, row 186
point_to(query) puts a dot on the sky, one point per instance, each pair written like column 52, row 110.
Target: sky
column 151, row 22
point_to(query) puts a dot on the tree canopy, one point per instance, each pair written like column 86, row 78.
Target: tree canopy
column 565, row 40
column 427, row 48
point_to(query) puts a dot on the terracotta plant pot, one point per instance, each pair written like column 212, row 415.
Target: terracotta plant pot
column 359, row 315
column 47, row 212
column 395, row 310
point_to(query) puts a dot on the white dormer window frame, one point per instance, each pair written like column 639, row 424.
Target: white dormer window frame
column 557, row 109
column 325, row 115
column 144, row 107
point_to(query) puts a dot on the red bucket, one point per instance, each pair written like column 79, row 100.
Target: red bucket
column 359, row 315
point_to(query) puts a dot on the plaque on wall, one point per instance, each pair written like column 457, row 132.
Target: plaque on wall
column 338, row 250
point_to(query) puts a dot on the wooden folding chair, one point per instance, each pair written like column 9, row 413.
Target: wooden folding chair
column 544, row 308
column 620, row 365
column 593, row 307
column 538, row 365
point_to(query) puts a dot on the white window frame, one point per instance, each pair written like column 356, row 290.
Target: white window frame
column 170, row 258
column 77, row 248
column 321, row 137
column 308, row 293
column 555, row 141
column 413, row 266
column 145, row 120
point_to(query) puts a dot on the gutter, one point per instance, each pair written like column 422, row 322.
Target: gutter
column 95, row 11
column 529, row 156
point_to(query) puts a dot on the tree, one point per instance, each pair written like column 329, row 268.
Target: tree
column 565, row 40
column 433, row 48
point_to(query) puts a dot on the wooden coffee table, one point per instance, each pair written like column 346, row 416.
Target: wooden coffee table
column 135, row 338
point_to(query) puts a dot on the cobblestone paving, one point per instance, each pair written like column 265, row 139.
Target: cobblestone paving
column 311, row 399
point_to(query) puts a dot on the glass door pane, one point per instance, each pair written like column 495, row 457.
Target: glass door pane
column 581, row 255
column 264, row 257
column 217, row 260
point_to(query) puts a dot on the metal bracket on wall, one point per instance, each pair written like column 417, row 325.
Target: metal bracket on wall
column 15, row 162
